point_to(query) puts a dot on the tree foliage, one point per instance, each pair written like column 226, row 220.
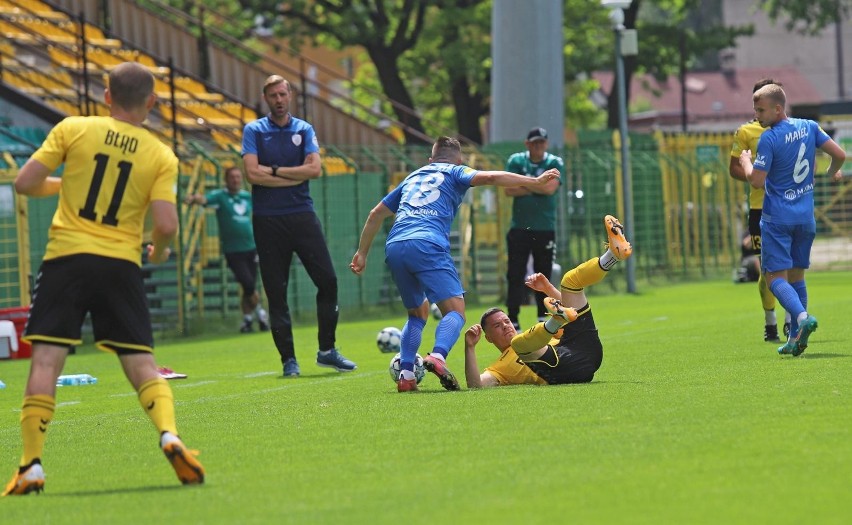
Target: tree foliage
column 435, row 55
column 809, row 17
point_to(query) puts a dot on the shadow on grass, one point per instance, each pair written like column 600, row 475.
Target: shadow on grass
column 319, row 374
column 807, row 355
column 127, row 490
column 507, row 387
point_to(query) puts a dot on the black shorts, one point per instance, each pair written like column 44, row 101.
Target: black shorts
column 244, row 267
column 112, row 290
column 754, row 228
column 576, row 358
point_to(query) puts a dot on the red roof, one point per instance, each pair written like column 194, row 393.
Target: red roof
column 713, row 98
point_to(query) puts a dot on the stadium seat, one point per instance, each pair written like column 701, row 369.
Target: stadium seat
column 235, row 109
column 183, row 119
column 30, row 7
column 152, row 66
column 11, row 31
column 211, row 114
column 7, row 53
column 164, row 91
column 227, row 139
column 96, row 37
column 66, row 106
column 197, row 90
column 62, row 32
column 40, row 83
column 66, row 58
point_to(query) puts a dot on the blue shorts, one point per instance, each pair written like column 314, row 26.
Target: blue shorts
column 786, row 246
column 422, row 270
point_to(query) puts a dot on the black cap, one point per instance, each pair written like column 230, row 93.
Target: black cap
column 537, row 134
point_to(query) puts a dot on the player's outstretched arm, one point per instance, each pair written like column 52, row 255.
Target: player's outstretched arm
column 195, row 199
column 506, row 179
column 368, row 233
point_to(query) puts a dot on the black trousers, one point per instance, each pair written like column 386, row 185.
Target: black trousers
column 277, row 239
column 520, row 244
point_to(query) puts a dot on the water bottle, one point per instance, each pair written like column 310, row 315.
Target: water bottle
column 76, row 379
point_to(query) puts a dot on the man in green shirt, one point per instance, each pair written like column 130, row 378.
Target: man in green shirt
column 233, row 213
column 533, row 229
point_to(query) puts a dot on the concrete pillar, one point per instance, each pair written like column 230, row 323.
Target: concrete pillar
column 527, row 84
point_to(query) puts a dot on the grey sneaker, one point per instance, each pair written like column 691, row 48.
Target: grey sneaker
column 291, row 368
column 335, row 360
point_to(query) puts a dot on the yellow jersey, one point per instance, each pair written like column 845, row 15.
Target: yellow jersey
column 746, row 137
column 113, row 170
column 510, row 370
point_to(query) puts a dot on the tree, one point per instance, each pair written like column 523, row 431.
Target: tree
column 662, row 29
column 386, row 29
column 807, row 16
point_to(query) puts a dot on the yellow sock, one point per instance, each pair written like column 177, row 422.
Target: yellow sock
column 157, row 400
column 36, row 414
column 531, row 339
column 586, row 274
column 766, row 296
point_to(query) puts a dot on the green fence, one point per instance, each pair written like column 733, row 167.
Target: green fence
column 689, row 216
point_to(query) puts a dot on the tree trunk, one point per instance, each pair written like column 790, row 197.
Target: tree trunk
column 394, row 89
column 612, row 99
column 468, row 110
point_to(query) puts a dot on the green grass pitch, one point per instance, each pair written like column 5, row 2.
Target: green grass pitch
column 691, row 419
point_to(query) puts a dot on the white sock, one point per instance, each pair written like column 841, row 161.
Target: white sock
column 553, row 325
column 607, row 260
column 801, row 318
column 167, row 438
column 787, row 318
column 247, row 318
column 770, row 317
column 436, row 355
column 262, row 316
column 406, row 374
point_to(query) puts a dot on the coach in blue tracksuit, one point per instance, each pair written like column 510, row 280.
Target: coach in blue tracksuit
column 281, row 154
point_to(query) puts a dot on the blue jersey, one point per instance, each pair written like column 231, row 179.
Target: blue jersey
column 426, row 203
column 285, row 146
column 787, row 153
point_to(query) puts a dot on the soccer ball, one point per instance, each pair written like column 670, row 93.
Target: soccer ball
column 419, row 369
column 436, row 312
column 389, row 340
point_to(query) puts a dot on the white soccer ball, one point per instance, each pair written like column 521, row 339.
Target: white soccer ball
column 419, row 369
column 436, row 312
column 389, row 340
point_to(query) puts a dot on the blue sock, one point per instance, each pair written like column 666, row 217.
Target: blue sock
column 412, row 333
column 448, row 332
column 789, row 299
column 802, row 292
